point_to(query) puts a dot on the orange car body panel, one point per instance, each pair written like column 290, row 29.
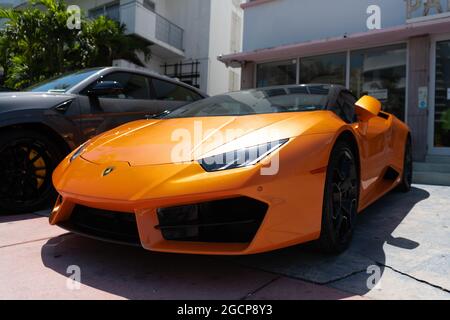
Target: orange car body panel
column 146, row 179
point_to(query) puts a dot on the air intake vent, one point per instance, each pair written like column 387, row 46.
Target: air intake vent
column 224, row 221
column 112, row 226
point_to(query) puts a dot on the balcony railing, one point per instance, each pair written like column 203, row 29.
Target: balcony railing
column 144, row 22
column 169, row 32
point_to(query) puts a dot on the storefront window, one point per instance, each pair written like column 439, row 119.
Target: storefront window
column 381, row 72
column 328, row 68
column 276, row 73
column 442, row 103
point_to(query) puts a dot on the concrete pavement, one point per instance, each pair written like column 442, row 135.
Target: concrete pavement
column 34, row 266
column 405, row 239
column 406, row 236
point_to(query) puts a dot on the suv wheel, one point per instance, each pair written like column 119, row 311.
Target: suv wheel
column 27, row 160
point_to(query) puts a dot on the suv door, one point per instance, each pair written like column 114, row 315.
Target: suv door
column 171, row 95
column 143, row 97
column 99, row 114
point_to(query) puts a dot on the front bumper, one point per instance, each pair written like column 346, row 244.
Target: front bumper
column 292, row 201
column 234, row 220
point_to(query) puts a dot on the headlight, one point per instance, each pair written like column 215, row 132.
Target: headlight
column 240, row 158
column 79, row 151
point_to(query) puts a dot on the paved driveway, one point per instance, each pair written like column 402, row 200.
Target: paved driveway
column 403, row 239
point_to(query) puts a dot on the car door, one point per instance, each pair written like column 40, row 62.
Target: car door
column 171, row 95
column 102, row 113
column 374, row 138
column 141, row 99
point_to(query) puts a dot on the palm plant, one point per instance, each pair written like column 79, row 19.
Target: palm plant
column 37, row 44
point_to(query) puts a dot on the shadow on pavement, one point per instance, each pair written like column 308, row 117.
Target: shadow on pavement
column 374, row 230
column 17, row 217
column 137, row 274
column 134, row 273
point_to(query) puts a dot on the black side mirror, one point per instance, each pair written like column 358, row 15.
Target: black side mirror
column 106, row 88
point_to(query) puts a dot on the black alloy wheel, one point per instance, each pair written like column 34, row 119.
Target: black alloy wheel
column 27, row 160
column 341, row 199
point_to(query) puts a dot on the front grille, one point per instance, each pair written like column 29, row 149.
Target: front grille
column 224, row 221
column 112, row 226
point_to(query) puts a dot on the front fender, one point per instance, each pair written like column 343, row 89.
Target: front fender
column 66, row 128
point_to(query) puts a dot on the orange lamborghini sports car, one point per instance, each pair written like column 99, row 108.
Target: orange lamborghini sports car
column 239, row 173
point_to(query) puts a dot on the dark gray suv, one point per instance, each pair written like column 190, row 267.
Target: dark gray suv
column 42, row 124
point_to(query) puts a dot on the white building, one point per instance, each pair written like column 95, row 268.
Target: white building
column 395, row 50
column 186, row 36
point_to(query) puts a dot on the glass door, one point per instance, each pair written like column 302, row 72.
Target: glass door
column 381, row 72
column 441, row 114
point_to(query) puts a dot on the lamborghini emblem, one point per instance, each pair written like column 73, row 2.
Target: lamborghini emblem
column 108, row 171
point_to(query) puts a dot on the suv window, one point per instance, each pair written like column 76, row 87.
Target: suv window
column 165, row 90
column 135, row 86
column 346, row 106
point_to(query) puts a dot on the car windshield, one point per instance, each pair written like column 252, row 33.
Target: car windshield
column 258, row 101
column 62, row 83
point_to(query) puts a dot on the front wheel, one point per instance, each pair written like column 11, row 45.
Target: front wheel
column 27, row 160
column 340, row 203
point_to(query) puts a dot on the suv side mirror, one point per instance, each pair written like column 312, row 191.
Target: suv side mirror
column 105, row 88
column 367, row 108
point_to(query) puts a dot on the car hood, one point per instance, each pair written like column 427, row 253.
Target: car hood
column 12, row 101
column 166, row 141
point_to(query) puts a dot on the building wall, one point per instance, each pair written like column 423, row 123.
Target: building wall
column 208, row 34
column 207, row 26
column 194, row 17
column 282, row 22
column 419, row 73
column 224, row 18
column 248, row 76
column 153, row 64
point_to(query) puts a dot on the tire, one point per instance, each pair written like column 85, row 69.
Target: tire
column 405, row 184
column 340, row 201
column 27, row 160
